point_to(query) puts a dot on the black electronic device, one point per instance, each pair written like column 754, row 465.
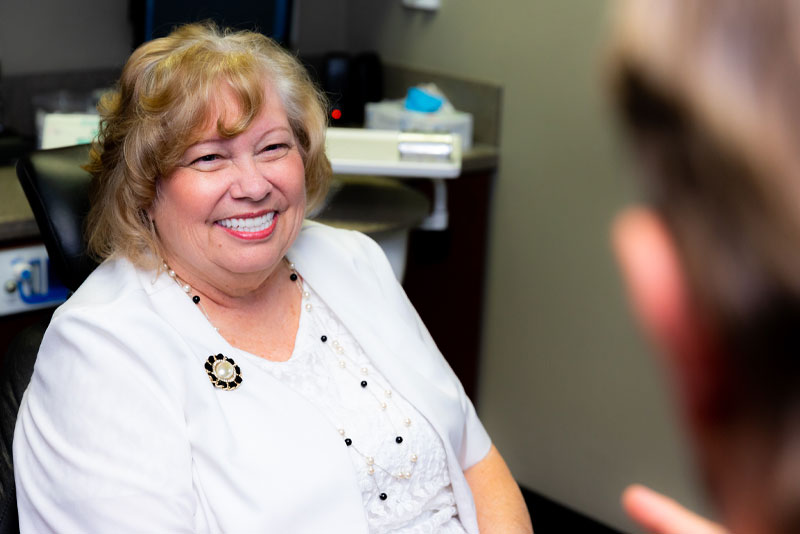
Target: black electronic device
column 349, row 82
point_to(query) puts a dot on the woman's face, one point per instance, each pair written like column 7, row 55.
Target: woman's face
column 233, row 207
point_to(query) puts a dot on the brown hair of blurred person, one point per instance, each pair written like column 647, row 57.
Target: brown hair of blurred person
column 710, row 96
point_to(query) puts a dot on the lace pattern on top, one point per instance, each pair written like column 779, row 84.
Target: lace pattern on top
column 413, row 473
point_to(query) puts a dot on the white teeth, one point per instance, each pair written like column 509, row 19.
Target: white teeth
column 251, row 224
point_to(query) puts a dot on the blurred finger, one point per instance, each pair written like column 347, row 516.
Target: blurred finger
column 659, row 514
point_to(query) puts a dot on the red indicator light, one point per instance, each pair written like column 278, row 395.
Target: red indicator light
column 336, row 114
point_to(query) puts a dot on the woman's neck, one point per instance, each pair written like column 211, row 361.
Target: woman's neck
column 236, row 291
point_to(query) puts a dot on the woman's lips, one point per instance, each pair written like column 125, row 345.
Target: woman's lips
column 250, row 228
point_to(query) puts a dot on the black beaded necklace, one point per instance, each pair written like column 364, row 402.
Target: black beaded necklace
column 382, row 394
column 225, row 374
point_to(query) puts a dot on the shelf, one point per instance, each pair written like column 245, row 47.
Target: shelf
column 393, row 153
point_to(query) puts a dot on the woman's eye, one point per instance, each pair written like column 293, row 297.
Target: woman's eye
column 207, row 158
column 276, row 150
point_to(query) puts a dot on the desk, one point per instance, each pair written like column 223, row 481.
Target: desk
column 16, row 217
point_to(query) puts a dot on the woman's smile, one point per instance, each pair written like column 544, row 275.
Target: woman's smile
column 249, row 226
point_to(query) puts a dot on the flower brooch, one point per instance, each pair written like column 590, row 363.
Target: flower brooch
column 223, row 372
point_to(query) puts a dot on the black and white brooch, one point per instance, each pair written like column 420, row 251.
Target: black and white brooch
column 223, row 372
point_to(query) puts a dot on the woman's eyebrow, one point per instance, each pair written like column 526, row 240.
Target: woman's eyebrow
column 219, row 139
column 280, row 128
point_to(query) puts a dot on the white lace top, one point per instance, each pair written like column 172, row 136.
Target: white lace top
column 399, row 458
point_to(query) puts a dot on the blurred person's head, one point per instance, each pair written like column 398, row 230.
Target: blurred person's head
column 709, row 91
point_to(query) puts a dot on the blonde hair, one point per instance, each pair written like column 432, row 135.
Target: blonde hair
column 163, row 99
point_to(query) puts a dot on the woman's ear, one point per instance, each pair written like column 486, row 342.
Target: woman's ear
column 150, row 211
column 661, row 301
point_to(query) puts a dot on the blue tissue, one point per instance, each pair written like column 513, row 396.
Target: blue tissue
column 419, row 100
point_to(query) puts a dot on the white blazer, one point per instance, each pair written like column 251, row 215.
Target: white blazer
column 120, row 429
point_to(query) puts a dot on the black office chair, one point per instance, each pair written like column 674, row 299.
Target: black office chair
column 57, row 190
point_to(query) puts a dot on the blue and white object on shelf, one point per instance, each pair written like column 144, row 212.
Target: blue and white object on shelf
column 28, row 281
column 424, row 109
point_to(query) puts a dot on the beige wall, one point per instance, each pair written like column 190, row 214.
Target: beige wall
column 320, row 26
column 56, row 36
column 568, row 390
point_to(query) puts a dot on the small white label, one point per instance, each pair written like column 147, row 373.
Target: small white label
column 430, row 5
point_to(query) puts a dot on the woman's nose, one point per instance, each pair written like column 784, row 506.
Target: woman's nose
column 250, row 182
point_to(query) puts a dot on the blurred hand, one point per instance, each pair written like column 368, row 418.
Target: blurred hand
column 659, row 514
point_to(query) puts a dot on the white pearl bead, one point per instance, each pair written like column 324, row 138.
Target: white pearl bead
column 341, row 431
column 407, row 421
column 371, row 471
column 291, row 266
column 308, row 307
column 224, row 370
column 364, row 371
column 186, row 288
column 172, row 273
column 414, row 458
column 406, row 475
column 306, row 294
column 339, row 350
column 370, row 460
column 388, row 392
column 383, row 406
column 342, row 364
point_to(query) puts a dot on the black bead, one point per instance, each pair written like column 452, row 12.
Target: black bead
column 211, row 359
column 363, row 383
column 399, row 439
column 238, row 380
column 208, row 367
column 218, row 357
column 324, row 339
column 196, row 299
column 293, row 277
column 383, row 496
column 348, row 441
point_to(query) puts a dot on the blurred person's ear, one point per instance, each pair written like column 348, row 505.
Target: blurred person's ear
column 660, row 298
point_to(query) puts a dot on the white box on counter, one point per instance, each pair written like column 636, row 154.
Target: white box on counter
column 393, row 153
column 392, row 115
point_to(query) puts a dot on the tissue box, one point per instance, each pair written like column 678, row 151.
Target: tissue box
column 392, row 115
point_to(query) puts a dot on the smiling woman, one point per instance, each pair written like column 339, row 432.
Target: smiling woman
column 178, row 95
column 233, row 206
column 230, row 367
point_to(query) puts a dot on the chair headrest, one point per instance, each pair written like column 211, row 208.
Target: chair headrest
column 58, row 192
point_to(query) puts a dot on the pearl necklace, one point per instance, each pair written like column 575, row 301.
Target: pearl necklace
column 188, row 290
column 380, row 392
column 220, row 364
column 196, row 298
